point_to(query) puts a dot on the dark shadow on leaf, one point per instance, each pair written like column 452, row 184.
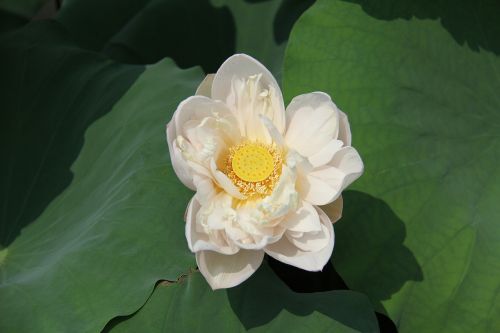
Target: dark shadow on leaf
column 474, row 23
column 328, row 279
column 385, row 324
column 369, row 253
column 193, row 33
column 369, row 256
column 10, row 21
column 50, row 92
column 258, row 301
column 302, row 281
column 288, row 13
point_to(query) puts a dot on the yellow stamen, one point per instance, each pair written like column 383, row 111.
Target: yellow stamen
column 254, row 168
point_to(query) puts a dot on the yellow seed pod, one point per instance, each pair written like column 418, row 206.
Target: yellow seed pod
column 252, row 163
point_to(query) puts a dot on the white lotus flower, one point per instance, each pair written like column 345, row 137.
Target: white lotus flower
column 259, row 172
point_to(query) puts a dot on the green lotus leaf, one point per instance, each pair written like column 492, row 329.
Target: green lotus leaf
column 116, row 224
column 420, row 84
column 262, row 304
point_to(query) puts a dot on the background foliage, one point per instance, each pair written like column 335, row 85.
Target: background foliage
column 91, row 225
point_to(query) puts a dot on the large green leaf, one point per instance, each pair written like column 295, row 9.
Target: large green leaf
column 424, row 104
column 262, row 304
column 50, row 92
column 97, row 250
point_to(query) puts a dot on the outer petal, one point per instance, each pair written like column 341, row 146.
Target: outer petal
column 205, row 189
column 323, row 185
column 198, row 108
column 304, row 219
column 199, row 241
column 199, row 130
column 349, row 162
column 285, row 251
column 334, row 209
column 226, row 271
column 344, row 129
column 312, row 241
column 249, row 89
column 312, row 122
column 179, row 165
column 325, row 154
column 205, row 87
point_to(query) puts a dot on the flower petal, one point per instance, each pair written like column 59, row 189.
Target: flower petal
column 205, row 188
column 224, row 182
column 196, row 110
column 205, row 87
column 226, row 271
column 198, row 131
column 179, row 165
column 323, row 185
column 273, row 131
column 320, row 186
column 288, row 253
column 349, row 162
column 249, row 90
column 312, row 241
column 334, row 209
column 312, row 122
column 304, row 219
column 344, row 129
column 198, row 240
column 325, row 154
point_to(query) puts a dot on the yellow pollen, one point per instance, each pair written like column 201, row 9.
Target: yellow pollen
column 252, row 163
column 254, row 168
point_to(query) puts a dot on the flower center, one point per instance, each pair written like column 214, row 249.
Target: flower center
column 254, row 168
column 252, row 163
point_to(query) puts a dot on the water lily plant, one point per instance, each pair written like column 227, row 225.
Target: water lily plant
column 260, row 172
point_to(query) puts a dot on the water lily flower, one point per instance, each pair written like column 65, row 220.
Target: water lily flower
column 260, row 173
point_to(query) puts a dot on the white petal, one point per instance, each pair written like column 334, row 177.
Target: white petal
column 344, row 129
column 325, row 184
column 334, row 209
column 312, row 241
column 325, row 154
column 205, row 188
column 273, row 131
column 312, row 122
column 249, row 89
column 251, row 230
column 304, row 219
column 226, row 271
column 282, row 200
column 199, row 241
column 195, row 109
column 320, row 186
column 200, row 129
column 258, row 243
column 224, row 182
column 179, row 165
column 349, row 162
column 288, row 253
column 205, row 87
